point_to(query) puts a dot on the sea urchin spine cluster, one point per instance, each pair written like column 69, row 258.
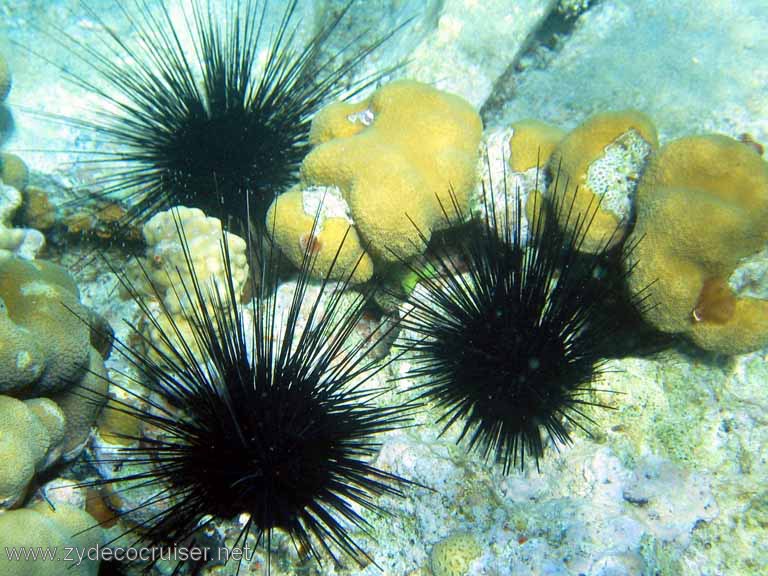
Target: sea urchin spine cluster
column 509, row 339
column 277, row 423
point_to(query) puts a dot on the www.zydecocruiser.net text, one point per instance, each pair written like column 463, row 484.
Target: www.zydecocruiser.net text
column 129, row 554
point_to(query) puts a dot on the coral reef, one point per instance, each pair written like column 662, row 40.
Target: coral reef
column 46, row 530
column 673, row 482
column 604, row 157
column 386, row 164
column 702, row 209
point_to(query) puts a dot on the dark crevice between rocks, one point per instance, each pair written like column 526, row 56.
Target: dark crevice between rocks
column 537, row 51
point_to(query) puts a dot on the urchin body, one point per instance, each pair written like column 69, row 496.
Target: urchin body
column 277, row 425
column 510, row 341
column 217, row 125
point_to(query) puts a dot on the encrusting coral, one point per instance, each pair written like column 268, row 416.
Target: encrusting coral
column 165, row 257
column 51, row 346
column 157, row 276
column 604, row 157
column 453, row 555
column 53, row 531
column 383, row 166
column 702, row 211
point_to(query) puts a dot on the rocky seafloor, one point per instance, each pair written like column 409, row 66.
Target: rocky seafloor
column 673, row 482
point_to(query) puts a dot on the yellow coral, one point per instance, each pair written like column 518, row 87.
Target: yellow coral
column 702, row 207
column 43, row 528
column 340, row 120
column 13, row 171
column 453, row 555
column 28, row 430
column 532, row 144
column 392, row 158
column 604, row 158
column 293, row 225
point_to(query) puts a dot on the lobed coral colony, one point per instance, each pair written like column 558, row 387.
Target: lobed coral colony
column 393, row 190
column 399, row 152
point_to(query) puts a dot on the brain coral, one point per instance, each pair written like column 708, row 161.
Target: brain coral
column 376, row 165
column 702, row 210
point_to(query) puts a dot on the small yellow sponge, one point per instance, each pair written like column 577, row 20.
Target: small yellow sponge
column 453, row 555
column 392, row 160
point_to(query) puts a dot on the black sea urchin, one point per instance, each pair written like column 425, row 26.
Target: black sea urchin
column 509, row 337
column 210, row 125
column 275, row 423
